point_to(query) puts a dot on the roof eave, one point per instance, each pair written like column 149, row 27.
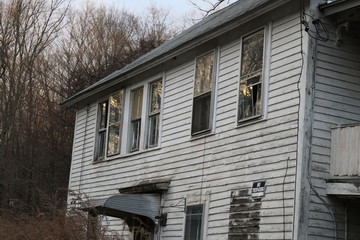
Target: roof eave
column 116, row 78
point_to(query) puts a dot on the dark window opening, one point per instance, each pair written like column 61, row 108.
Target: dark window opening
column 194, row 222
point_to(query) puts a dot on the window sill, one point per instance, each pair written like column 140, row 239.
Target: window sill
column 247, row 122
column 126, row 155
column 201, row 135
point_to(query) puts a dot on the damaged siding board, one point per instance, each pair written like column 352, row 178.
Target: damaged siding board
column 244, row 220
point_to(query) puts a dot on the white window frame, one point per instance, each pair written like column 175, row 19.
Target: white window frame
column 212, row 94
column 140, row 120
column 106, row 129
column 143, row 144
column 152, row 114
column 203, row 205
column 264, row 73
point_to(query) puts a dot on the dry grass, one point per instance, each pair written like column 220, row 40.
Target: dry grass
column 52, row 222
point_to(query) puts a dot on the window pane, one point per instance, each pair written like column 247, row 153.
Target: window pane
column 204, row 74
column 103, row 115
column 137, row 104
column 101, row 146
column 114, row 139
column 135, row 129
column 250, row 101
column 153, row 130
column 201, row 113
column 252, row 54
column 116, row 107
column 156, row 96
column 193, row 224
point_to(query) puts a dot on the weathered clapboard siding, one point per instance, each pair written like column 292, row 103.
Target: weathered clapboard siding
column 209, row 168
column 337, row 98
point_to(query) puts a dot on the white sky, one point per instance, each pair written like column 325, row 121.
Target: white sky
column 177, row 8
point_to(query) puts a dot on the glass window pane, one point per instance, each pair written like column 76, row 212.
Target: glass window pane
column 137, row 104
column 249, row 101
column 201, row 113
column 135, row 129
column 103, row 114
column 116, row 102
column 204, row 74
column 193, row 224
column 252, row 54
column 156, row 96
column 101, row 146
column 114, row 139
column 153, row 130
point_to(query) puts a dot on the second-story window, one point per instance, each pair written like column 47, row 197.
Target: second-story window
column 251, row 77
column 203, row 87
column 154, row 113
column 110, row 113
column 136, row 112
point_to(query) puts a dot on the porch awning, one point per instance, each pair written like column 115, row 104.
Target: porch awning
column 125, row 205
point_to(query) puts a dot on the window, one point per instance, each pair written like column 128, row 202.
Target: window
column 203, row 85
column 154, row 113
column 136, row 111
column 251, row 77
column 110, row 114
column 194, row 222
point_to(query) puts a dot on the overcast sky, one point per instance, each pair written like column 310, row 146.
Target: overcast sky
column 177, row 8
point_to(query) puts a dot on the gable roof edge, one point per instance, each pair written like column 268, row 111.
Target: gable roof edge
column 186, row 40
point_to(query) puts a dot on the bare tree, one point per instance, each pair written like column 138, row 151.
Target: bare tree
column 27, row 28
column 208, row 6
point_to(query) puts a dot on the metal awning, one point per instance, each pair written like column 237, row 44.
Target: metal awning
column 125, row 205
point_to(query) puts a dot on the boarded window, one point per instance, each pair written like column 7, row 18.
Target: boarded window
column 136, row 110
column 194, row 222
column 154, row 113
column 203, row 85
column 251, row 76
column 345, row 151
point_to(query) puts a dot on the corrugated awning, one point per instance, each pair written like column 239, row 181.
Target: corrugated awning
column 125, row 205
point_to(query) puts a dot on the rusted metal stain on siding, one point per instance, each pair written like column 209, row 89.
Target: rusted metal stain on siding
column 244, row 222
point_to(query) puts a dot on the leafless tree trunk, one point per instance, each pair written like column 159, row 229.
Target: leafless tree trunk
column 27, row 28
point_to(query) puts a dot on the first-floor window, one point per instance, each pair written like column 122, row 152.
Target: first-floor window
column 194, row 222
column 251, row 76
column 136, row 111
column 110, row 113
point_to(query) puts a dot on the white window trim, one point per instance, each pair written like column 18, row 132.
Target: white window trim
column 148, row 105
column 98, row 119
column 125, row 125
column 205, row 217
column 126, row 144
column 265, row 81
column 212, row 114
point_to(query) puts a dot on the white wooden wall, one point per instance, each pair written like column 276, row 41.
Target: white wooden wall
column 337, row 101
column 209, row 168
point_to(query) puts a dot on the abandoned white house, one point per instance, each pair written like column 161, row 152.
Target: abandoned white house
column 244, row 126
